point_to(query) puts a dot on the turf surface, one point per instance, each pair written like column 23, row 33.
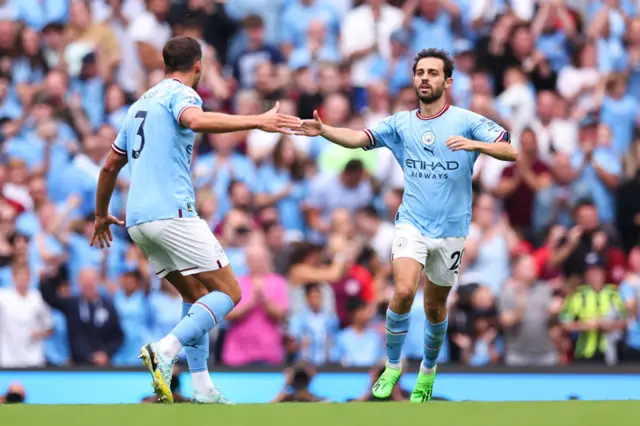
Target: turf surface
column 566, row 413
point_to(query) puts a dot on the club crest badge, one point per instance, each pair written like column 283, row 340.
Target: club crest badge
column 428, row 139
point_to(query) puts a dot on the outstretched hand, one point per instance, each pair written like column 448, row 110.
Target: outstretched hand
column 311, row 127
column 102, row 233
column 274, row 122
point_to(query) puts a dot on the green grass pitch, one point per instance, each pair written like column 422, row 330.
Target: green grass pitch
column 567, row 413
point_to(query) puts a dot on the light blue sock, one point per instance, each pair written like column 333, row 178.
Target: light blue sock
column 197, row 350
column 433, row 340
column 202, row 317
column 397, row 328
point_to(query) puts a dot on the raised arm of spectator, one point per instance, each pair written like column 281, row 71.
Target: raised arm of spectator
column 80, row 121
column 49, row 290
column 562, row 252
column 60, row 222
column 302, row 274
column 409, row 10
column 539, row 21
column 598, row 24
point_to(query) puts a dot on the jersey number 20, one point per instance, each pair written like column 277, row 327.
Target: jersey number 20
column 140, row 114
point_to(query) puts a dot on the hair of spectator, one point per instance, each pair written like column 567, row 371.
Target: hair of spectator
column 584, row 202
column 296, row 169
column 300, row 251
column 181, row 53
column 310, row 288
column 354, row 304
column 354, row 166
column 447, row 62
column 253, row 22
column 519, row 27
column 136, row 274
column 369, row 211
column 233, row 184
column 5, row 75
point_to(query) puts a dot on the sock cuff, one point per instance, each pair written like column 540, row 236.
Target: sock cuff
column 182, row 342
column 398, row 317
column 198, row 369
column 441, row 324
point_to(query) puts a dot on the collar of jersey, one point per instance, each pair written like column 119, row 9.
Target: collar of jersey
column 442, row 111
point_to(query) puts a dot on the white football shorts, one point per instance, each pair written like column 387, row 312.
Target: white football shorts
column 441, row 257
column 186, row 245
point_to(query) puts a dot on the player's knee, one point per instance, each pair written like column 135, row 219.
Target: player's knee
column 404, row 292
column 435, row 310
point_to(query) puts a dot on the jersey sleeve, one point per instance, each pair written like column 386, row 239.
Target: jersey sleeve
column 184, row 99
column 384, row 134
column 484, row 130
column 119, row 146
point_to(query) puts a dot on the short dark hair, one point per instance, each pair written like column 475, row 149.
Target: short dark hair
column 181, row 53
column 370, row 211
column 253, row 22
column 439, row 54
column 354, row 166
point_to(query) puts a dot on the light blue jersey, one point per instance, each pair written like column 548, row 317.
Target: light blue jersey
column 437, row 181
column 159, row 149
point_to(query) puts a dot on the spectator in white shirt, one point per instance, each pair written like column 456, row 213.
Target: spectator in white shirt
column 25, row 321
column 377, row 232
column 150, row 31
column 366, row 31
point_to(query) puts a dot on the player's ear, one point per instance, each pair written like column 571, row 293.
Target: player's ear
column 448, row 83
column 197, row 67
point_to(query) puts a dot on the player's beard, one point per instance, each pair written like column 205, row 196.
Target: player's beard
column 436, row 93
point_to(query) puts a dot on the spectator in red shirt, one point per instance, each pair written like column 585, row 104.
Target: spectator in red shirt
column 520, row 182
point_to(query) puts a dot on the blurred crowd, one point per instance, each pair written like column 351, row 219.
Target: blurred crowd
column 551, row 271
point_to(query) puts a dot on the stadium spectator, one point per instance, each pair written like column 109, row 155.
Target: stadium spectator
column 283, row 183
column 358, row 345
column 313, row 330
column 25, row 321
column 95, row 334
column 630, row 292
column 476, row 339
column 297, row 382
column 165, row 305
column 627, row 205
column 130, row 300
column 350, row 190
column 306, row 268
column 597, row 314
column 527, row 310
column 16, row 394
column 490, row 245
column 255, row 331
column 520, row 182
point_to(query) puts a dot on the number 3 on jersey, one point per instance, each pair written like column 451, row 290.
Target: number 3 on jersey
column 143, row 115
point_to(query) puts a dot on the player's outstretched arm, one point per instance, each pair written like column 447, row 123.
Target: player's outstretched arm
column 106, row 184
column 347, row 138
column 498, row 150
column 215, row 122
